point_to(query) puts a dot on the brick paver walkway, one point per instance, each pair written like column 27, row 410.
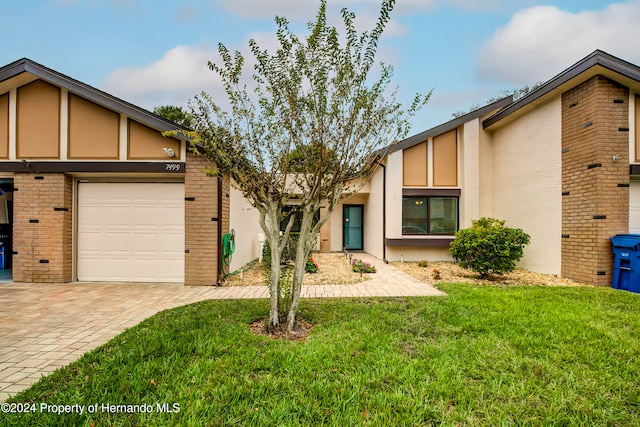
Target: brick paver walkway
column 46, row 326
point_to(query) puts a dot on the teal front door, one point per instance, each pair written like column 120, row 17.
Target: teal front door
column 352, row 227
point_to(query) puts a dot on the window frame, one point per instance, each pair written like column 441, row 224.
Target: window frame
column 287, row 210
column 428, row 195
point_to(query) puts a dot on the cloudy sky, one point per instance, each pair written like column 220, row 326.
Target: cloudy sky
column 154, row 52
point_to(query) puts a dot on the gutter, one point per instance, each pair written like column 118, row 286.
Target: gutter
column 384, row 212
column 219, row 263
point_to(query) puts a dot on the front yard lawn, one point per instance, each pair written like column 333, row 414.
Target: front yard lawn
column 483, row 355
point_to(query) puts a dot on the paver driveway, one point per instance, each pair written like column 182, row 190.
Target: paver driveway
column 46, row 326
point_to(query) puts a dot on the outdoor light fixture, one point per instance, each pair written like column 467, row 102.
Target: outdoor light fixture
column 419, row 202
column 169, row 152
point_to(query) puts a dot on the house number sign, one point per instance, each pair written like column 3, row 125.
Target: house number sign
column 172, row 167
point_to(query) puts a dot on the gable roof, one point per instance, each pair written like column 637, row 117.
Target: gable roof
column 445, row 127
column 597, row 63
column 139, row 114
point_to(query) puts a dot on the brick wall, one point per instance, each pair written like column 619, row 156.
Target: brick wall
column 595, row 201
column 42, row 227
column 201, row 222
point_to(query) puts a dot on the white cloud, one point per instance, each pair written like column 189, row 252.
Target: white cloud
column 486, row 4
column 187, row 13
column 305, row 10
column 175, row 78
column 181, row 74
column 539, row 42
column 450, row 101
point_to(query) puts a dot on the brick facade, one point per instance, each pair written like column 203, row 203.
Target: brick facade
column 42, row 227
column 201, row 222
column 595, row 201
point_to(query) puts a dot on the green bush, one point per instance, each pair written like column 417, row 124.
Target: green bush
column 311, row 266
column 489, row 247
column 359, row 266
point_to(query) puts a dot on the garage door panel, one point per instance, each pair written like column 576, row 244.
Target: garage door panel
column 131, row 232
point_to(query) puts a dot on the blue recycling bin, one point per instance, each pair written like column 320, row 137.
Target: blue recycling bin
column 626, row 262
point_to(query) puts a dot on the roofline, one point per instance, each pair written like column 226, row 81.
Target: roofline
column 25, row 65
column 445, row 127
column 596, row 58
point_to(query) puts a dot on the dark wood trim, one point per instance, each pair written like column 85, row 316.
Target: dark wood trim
column 634, row 169
column 63, row 166
column 453, row 192
column 438, row 242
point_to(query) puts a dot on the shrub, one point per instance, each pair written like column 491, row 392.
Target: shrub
column 489, row 247
column 360, row 266
column 311, row 266
column 423, row 263
column 290, row 249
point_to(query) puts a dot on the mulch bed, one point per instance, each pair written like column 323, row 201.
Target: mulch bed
column 448, row 272
column 333, row 269
column 299, row 333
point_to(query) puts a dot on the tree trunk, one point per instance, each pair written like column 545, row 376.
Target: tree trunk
column 268, row 217
column 305, row 243
column 274, row 319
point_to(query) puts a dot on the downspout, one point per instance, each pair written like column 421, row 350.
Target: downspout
column 220, row 275
column 384, row 212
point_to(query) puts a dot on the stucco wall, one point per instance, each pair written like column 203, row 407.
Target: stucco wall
column 527, row 175
column 373, row 216
column 470, row 172
column 485, row 179
column 369, row 220
column 244, row 219
column 418, row 254
column 394, row 195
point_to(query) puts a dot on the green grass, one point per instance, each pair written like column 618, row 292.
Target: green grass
column 481, row 356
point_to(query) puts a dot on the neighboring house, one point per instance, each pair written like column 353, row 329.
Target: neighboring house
column 91, row 190
column 562, row 163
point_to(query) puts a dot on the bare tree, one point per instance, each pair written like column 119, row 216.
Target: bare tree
column 306, row 133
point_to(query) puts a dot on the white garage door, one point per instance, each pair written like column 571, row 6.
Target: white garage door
column 634, row 207
column 130, row 232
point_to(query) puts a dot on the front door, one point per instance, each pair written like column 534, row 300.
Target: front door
column 6, row 228
column 352, row 227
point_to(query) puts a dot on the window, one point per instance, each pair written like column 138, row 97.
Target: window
column 287, row 211
column 429, row 215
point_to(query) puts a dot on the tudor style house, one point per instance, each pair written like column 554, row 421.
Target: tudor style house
column 562, row 163
column 91, row 190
